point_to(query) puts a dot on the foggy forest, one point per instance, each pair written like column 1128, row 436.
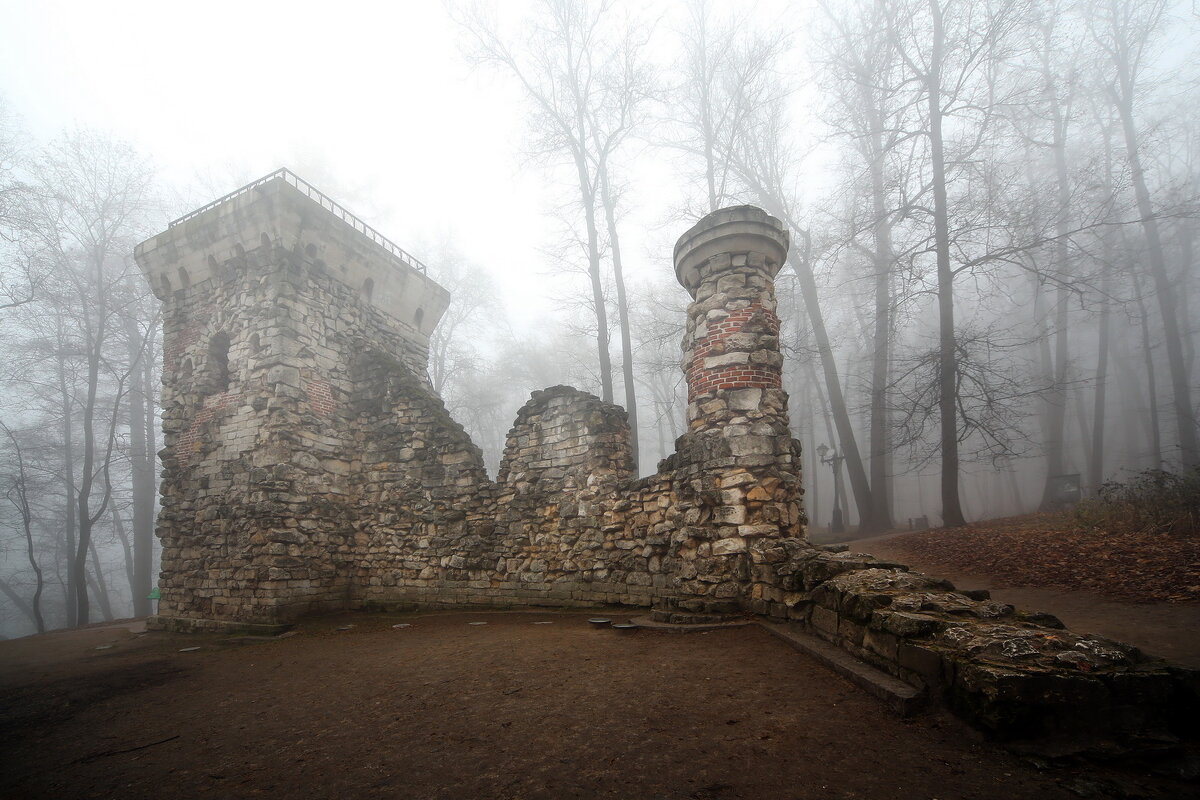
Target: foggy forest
column 989, row 306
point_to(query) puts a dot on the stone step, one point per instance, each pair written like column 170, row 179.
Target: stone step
column 897, row 695
column 652, row 624
column 692, row 618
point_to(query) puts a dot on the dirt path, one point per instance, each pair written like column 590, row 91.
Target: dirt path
column 510, row 709
column 1168, row 630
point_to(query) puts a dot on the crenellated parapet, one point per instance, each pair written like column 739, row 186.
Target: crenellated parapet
column 282, row 212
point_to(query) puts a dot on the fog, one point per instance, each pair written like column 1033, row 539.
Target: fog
column 990, row 299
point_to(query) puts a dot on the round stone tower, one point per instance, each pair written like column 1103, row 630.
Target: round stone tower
column 738, row 465
column 728, row 262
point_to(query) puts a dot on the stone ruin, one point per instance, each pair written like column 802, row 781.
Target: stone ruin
column 309, row 467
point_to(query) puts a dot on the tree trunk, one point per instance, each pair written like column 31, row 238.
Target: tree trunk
column 881, row 504
column 87, row 475
column 21, row 501
column 952, row 513
column 1085, row 438
column 68, row 478
column 587, row 197
column 1151, row 380
column 36, row 604
column 1014, row 487
column 1185, row 419
column 829, row 431
column 1096, row 466
column 812, row 499
column 1056, row 400
column 631, row 410
column 83, row 513
column 1187, row 230
column 96, row 579
column 127, row 551
column 846, row 442
column 21, row 604
column 142, row 472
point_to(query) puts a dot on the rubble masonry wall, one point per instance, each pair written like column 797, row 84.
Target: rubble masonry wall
column 309, row 466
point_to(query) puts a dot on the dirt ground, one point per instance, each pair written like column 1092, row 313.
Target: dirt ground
column 1166, row 630
column 508, row 709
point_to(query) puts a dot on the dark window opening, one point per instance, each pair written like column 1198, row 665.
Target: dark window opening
column 368, row 288
column 218, row 362
column 184, row 280
column 420, row 315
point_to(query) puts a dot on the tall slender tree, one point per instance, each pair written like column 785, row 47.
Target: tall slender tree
column 952, row 51
column 1126, row 30
column 582, row 70
column 94, row 201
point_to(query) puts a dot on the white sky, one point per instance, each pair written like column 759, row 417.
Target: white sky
column 375, row 93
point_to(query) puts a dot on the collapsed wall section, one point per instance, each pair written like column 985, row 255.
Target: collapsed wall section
column 560, row 526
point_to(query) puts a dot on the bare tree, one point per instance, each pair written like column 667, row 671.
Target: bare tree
column 140, row 325
column 952, row 51
column 453, row 352
column 582, row 71
column 873, row 112
column 19, row 494
column 1125, row 30
column 658, row 313
column 728, row 71
column 93, row 201
column 740, row 140
column 19, row 273
column 1056, row 51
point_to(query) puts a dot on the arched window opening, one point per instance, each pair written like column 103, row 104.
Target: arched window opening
column 185, row 370
column 311, row 250
column 184, row 280
column 218, row 361
column 368, row 288
column 166, row 285
column 212, row 263
column 265, row 240
column 420, row 315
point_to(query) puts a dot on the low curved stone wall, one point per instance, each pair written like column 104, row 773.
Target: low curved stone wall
column 1014, row 674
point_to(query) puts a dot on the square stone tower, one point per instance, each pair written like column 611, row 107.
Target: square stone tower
column 272, row 297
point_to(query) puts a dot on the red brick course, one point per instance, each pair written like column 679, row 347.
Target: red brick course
column 732, row 376
column 178, row 344
column 320, row 396
column 188, row 445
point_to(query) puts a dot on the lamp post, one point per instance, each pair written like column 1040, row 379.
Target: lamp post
column 834, row 460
